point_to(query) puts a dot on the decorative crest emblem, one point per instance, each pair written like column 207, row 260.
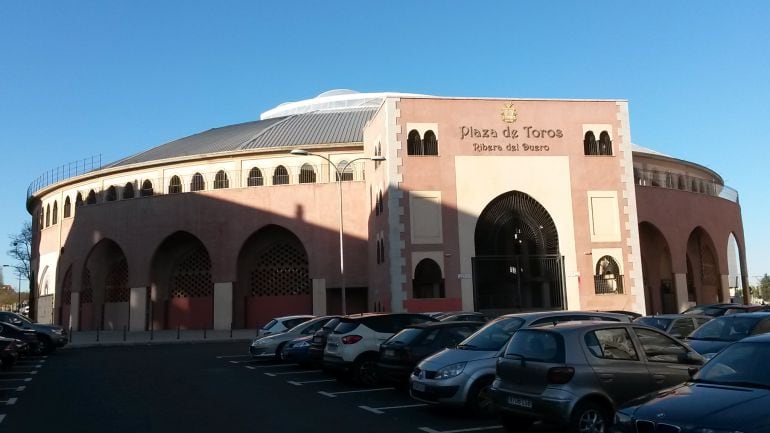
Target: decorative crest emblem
column 508, row 113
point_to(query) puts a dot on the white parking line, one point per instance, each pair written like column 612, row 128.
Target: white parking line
column 379, row 410
column 232, row 356
column 10, row 402
column 5, row 373
column 31, row 361
column 28, row 366
column 293, row 372
column 271, row 366
column 28, row 379
column 490, row 427
column 17, row 388
column 335, row 394
column 2, row 417
column 295, row 383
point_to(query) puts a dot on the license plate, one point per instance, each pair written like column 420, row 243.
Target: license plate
column 520, row 402
column 417, row 386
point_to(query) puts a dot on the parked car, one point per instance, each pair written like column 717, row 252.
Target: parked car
column 731, row 393
column 270, row 346
column 27, row 336
column 9, row 352
column 575, row 374
column 298, row 350
column 632, row 315
column 719, row 310
column 461, row 376
column 353, row 348
column 463, row 316
column 401, row 352
column 281, row 324
column 724, row 331
column 49, row 336
column 318, row 342
column 676, row 325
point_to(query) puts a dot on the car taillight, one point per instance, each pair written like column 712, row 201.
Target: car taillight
column 560, row 375
column 351, row 339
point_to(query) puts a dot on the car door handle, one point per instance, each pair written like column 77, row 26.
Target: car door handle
column 659, row 378
column 606, row 377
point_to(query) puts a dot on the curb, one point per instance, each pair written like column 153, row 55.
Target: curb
column 151, row 343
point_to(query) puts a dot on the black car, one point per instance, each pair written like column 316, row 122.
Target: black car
column 27, row 336
column 403, row 351
column 318, row 342
column 719, row 310
column 676, row 325
column 723, row 331
column 731, row 393
column 49, row 336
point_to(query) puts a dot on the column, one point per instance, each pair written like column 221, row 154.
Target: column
column 137, row 309
column 223, row 305
column 75, row 311
column 319, row 296
column 680, row 285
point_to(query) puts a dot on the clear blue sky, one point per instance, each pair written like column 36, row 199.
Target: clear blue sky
column 118, row 77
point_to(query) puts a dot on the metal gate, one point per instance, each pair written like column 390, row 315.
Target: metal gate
column 519, row 283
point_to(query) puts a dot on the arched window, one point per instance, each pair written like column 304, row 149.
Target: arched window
column 589, row 144
column 605, row 144
column 682, row 183
column 655, row 178
column 128, row 191
column 430, row 143
column 48, row 215
column 694, row 185
column 382, row 250
column 67, row 207
column 280, row 176
column 91, row 199
column 607, row 278
column 55, row 217
column 146, row 190
column 175, row 185
column 112, row 194
column 221, row 180
column 197, row 183
column 306, row 174
column 414, row 143
column 702, row 187
column 347, row 171
column 255, row 177
column 428, row 282
column 41, row 219
column 79, row 200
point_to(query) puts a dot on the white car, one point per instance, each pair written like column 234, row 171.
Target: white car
column 271, row 346
column 282, row 324
column 354, row 345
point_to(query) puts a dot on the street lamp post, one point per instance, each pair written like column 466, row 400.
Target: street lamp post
column 301, row 152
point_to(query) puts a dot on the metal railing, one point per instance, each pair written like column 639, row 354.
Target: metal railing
column 65, row 171
column 684, row 182
column 608, row 284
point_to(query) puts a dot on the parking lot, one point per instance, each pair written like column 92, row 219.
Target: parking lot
column 203, row 388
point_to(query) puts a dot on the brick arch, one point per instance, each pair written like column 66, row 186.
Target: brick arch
column 657, row 267
column 104, row 287
column 703, row 267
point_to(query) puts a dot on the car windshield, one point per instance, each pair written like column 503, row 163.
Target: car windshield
column 655, row 322
column 406, row 336
column 331, row 324
column 725, row 329
column 270, row 324
column 492, row 336
column 537, row 345
column 741, row 364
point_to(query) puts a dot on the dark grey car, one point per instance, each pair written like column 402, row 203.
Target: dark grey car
column 575, row 374
column 676, row 325
column 49, row 337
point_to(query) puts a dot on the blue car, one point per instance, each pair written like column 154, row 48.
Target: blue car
column 298, row 350
column 723, row 331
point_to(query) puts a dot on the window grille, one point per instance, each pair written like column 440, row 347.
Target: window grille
column 430, row 143
column 66, row 287
column 608, row 278
column 128, row 191
column 146, row 189
column 605, row 144
column 116, row 285
column 307, row 174
column 280, row 176
column 86, row 291
column 345, row 172
column 175, row 185
column 197, row 183
column 281, row 271
column 428, row 282
column 589, row 144
column 255, row 177
column 221, row 181
column 414, row 143
column 191, row 278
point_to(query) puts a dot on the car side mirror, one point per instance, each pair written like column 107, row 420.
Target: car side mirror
column 692, row 358
column 692, row 371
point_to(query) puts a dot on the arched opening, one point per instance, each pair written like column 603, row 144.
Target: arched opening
column 91, row 199
column 605, row 144
column 67, row 207
column 428, row 281
column 112, row 194
column 221, row 181
column 704, row 268
column 182, row 289
column 346, row 171
column 430, row 143
column 55, row 213
column 735, row 276
column 175, row 185
column 128, row 191
column 589, row 144
column 255, row 177
column 413, row 143
column 79, row 200
column 273, row 277
column 307, row 174
column 197, row 183
column 517, row 264
column 280, row 176
column 659, row 291
column 104, row 289
column 146, row 190
column 607, row 276
column 48, row 215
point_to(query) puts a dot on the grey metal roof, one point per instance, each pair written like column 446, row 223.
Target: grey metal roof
column 325, row 127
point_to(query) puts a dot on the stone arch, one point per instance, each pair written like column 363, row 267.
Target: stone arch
column 703, row 274
column 182, row 288
column 272, row 277
column 414, row 143
column 428, row 281
column 734, row 260
column 517, row 265
column 104, row 288
column 659, row 287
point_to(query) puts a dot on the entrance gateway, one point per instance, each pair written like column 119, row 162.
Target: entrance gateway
column 517, row 265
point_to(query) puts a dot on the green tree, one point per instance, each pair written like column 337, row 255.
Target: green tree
column 764, row 288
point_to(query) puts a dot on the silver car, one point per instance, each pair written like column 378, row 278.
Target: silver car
column 271, row 346
column 460, row 376
column 575, row 374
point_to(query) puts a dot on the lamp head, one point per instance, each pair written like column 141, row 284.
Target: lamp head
column 299, row 152
column 377, row 158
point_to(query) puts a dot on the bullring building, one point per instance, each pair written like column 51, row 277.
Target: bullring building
column 441, row 203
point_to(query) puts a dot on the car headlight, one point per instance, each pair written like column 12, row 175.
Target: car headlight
column 58, row 331
column 714, row 430
column 261, row 342
column 450, row 371
column 302, row 344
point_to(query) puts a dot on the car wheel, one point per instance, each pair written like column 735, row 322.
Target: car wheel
column 479, row 398
column 279, row 352
column 44, row 345
column 589, row 417
column 6, row 364
column 514, row 423
column 365, row 371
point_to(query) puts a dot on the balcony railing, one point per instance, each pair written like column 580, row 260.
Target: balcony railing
column 608, row 284
column 65, row 171
column 684, row 182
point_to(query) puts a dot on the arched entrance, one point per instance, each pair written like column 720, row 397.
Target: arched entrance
column 273, row 278
column 659, row 290
column 517, row 264
column 104, row 288
column 182, row 290
column 703, row 268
